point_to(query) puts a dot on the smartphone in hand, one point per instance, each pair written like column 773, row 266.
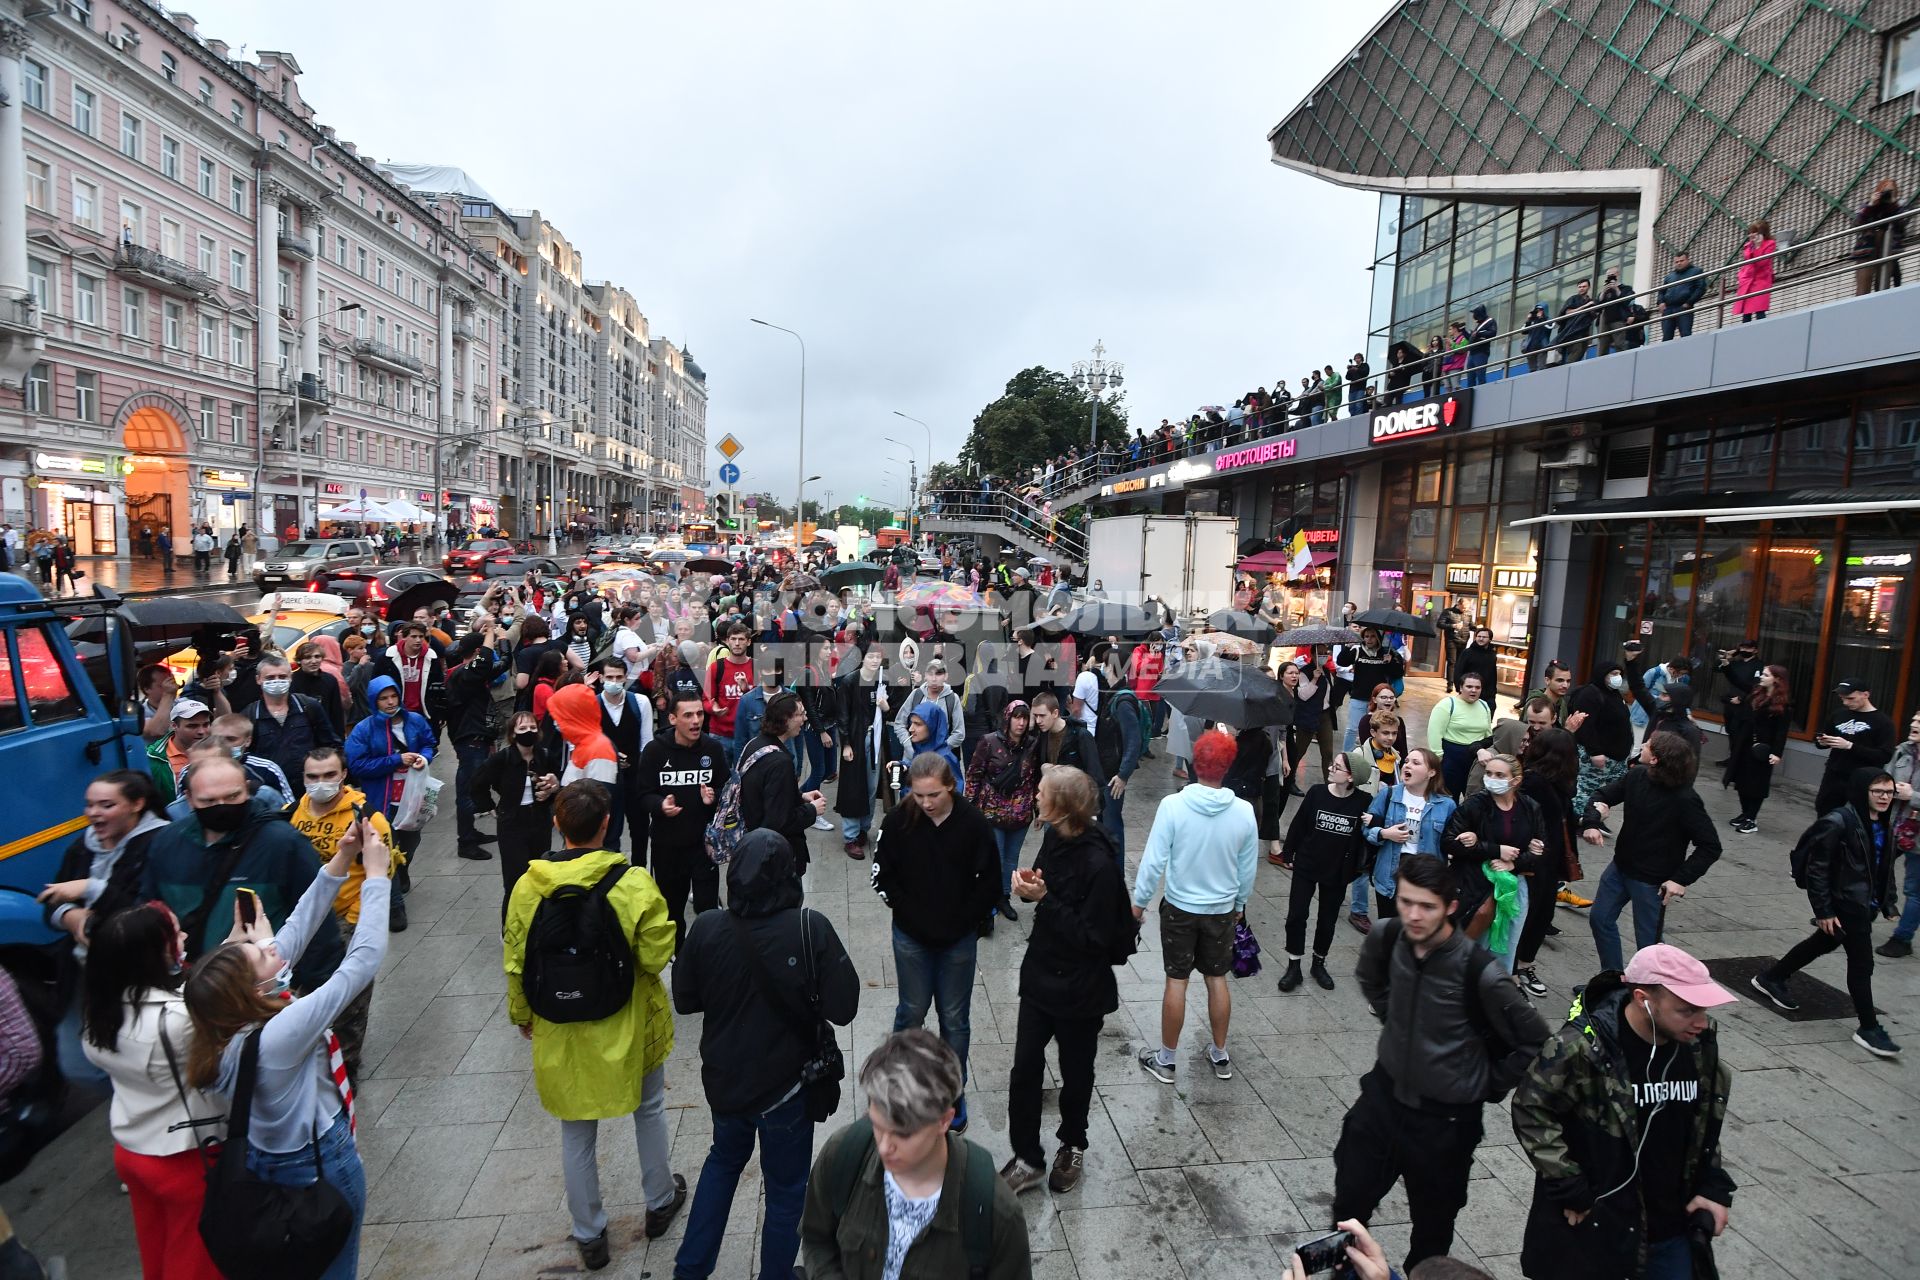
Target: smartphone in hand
column 249, row 903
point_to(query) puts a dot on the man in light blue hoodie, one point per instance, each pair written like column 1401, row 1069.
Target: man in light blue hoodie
column 1204, row 845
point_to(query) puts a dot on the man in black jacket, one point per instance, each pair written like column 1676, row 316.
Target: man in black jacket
column 1575, row 323
column 1616, row 311
column 1065, row 741
column 1605, row 735
column 1740, row 668
column 627, row 720
column 1683, row 287
column 1860, row 737
column 1848, row 878
column 413, row 665
column 678, row 782
column 751, row 1044
column 770, row 795
column 1418, row 1114
column 478, row 661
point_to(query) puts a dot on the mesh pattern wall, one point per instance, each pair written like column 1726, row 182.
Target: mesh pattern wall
column 1753, row 108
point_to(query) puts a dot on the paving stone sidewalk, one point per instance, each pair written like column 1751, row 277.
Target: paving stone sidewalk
column 1207, row 1179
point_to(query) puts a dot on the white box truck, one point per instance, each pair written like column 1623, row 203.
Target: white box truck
column 1185, row 561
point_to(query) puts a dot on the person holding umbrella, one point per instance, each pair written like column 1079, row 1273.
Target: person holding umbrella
column 1365, row 667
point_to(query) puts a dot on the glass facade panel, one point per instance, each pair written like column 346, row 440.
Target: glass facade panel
column 1795, row 593
column 1874, row 614
column 1622, row 590
column 1743, row 454
column 1680, row 466
column 1672, row 571
column 1814, row 449
column 1387, row 232
column 1473, row 477
column 1886, row 447
column 1724, row 598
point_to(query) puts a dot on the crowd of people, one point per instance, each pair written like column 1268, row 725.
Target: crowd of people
column 230, row 906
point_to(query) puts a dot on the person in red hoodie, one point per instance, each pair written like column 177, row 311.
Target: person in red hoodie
column 728, row 678
column 1144, row 669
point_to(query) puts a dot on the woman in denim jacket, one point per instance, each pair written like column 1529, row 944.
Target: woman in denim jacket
column 1396, row 832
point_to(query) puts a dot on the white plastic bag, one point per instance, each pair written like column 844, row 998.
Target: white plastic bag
column 419, row 799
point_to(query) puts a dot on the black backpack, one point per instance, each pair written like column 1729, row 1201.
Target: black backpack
column 1506, row 1062
column 1803, row 847
column 579, row 964
column 1107, row 738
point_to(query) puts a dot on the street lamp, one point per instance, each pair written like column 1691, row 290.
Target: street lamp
column 800, row 461
column 1095, row 378
column 299, row 462
column 913, row 501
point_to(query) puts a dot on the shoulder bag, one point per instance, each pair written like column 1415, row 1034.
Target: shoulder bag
column 826, row 1066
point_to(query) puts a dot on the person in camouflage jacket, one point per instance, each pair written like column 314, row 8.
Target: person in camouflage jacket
column 1576, row 1116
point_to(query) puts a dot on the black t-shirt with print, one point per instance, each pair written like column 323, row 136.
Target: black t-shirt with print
column 1666, row 1095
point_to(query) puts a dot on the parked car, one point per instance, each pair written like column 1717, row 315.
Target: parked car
column 295, row 564
column 373, row 587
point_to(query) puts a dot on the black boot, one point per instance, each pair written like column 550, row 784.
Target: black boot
column 1290, row 980
column 1320, row 974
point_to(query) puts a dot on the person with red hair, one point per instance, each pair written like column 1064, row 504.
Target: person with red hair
column 1200, row 855
column 1750, row 771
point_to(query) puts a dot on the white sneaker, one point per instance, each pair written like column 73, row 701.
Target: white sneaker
column 823, row 823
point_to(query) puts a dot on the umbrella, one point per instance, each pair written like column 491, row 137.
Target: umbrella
column 1394, row 620
column 1237, row 623
column 356, row 509
column 179, row 615
column 1231, row 646
column 401, row 509
column 620, row 574
column 672, row 556
column 1320, row 633
column 1038, row 560
column 1103, row 618
column 1228, row 692
column 939, row 595
column 403, row 605
column 799, row 580
column 854, row 573
column 707, row 564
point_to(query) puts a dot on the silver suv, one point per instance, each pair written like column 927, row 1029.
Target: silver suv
column 297, row 562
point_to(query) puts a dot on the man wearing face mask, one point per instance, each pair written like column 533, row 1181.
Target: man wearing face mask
column 1605, row 735
column 324, row 815
column 627, row 720
column 380, row 751
column 232, row 842
column 287, row 725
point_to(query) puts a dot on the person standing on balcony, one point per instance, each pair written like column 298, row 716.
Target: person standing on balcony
column 1616, row 314
column 1330, row 388
column 1538, row 329
column 1683, row 287
column 1575, row 323
column 1882, row 238
column 1357, row 371
column 1480, row 344
column 1756, row 273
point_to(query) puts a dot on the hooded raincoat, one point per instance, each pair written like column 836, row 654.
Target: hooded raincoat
column 576, row 711
column 934, row 716
column 376, row 744
column 593, row 1070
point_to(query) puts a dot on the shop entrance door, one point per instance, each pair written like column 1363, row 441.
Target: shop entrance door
column 80, row 527
column 1429, row 652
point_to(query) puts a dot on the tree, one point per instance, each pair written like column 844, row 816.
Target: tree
column 1040, row 415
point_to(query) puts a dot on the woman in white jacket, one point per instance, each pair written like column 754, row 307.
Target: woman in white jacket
column 138, row 1032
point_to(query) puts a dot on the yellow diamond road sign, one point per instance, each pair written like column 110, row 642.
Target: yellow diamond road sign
column 729, row 447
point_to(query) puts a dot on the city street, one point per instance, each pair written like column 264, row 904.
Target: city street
column 1208, row 1179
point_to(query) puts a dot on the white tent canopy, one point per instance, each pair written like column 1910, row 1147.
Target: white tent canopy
column 357, row 509
column 402, row 510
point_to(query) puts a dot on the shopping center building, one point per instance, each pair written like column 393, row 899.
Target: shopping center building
column 1747, row 480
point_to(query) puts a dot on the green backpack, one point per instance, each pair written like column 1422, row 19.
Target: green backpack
column 976, row 1210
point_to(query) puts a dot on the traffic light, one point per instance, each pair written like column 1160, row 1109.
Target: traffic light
column 729, row 523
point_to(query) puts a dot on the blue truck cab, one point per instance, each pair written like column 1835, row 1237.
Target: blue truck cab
column 63, row 722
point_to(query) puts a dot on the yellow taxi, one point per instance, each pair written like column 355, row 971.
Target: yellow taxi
column 284, row 618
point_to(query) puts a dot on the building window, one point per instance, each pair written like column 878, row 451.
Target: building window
column 130, row 136
column 173, row 321
column 86, row 396
column 380, row 329
column 237, row 194
column 170, row 68
column 39, row 185
column 1901, row 75
column 207, row 251
column 360, row 263
column 86, row 205
column 170, row 158
column 209, row 174
column 286, row 289
column 85, row 110
column 39, row 390
column 206, row 92
column 133, row 223
column 237, row 423
column 237, row 269
column 86, row 299
column 209, row 336
column 237, row 113
column 207, row 411
column 241, row 346
column 133, row 313
column 33, row 83
column 379, row 273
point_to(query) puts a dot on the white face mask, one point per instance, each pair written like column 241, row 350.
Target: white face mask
column 324, row 792
column 276, row 688
column 1498, row 786
column 279, row 984
column 1616, row 681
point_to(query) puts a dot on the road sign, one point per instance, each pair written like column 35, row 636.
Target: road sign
column 729, row 447
column 729, row 473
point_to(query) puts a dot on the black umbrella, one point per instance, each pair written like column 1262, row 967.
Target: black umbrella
column 427, row 593
column 1103, row 618
column 1235, row 622
column 1229, row 692
column 1318, row 633
column 708, row 564
column 855, row 573
column 160, row 617
column 1393, row 620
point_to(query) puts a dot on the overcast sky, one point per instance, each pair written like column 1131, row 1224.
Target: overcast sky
column 936, row 200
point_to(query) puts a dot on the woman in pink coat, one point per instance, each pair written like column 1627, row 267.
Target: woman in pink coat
column 1756, row 273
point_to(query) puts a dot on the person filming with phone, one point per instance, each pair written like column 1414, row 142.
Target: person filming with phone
column 1621, row 1116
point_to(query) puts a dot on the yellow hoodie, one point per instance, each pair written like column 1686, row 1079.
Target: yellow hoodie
column 325, row 830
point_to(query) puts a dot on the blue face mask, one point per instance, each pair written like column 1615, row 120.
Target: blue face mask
column 396, row 713
column 279, row 984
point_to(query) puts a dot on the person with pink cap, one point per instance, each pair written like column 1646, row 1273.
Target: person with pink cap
column 1621, row 1115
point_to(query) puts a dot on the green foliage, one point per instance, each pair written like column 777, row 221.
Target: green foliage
column 1040, row 415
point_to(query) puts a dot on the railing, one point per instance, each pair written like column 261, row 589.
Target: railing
column 374, row 349
column 156, row 266
column 19, row 313
column 1035, row 523
column 1423, row 377
column 296, row 246
column 463, row 329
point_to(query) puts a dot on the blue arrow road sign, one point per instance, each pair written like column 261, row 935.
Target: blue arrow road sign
column 729, row 473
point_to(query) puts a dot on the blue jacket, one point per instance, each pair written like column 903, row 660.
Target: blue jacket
column 749, row 715
column 1205, row 844
column 1389, row 809
column 934, row 716
column 374, row 749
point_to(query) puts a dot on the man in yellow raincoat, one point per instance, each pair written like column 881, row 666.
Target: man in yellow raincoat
column 589, row 1071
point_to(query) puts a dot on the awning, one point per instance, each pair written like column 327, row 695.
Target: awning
column 1735, row 508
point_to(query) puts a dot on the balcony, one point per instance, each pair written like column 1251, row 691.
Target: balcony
column 463, row 330
column 21, row 342
column 383, row 356
column 295, row 247
column 167, row 274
